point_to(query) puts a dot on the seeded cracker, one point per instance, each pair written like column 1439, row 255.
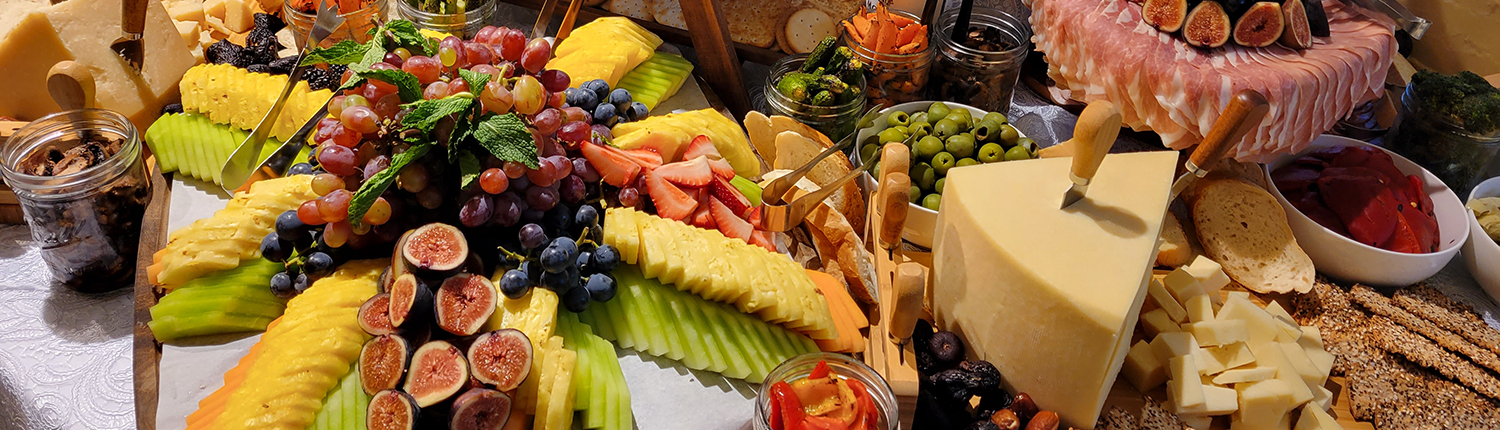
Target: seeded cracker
column 1397, row 340
column 1116, row 419
column 1337, row 319
column 1153, row 417
column 1381, row 305
column 1426, row 302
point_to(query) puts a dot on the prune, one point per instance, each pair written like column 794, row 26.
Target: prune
column 983, row 425
column 985, row 375
column 946, row 348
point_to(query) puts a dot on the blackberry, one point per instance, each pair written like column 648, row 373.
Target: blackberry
column 172, row 108
column 258, row 68
column 283, row 66
column 338, row 70
column 269, row 22
column 318, row 79
column 226, row 52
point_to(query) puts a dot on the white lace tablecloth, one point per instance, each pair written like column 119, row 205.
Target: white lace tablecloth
column 65, row 357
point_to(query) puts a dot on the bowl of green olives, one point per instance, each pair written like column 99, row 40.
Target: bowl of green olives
column 947, row 136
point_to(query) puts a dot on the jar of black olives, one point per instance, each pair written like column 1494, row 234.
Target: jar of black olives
column 83, row 188
column 982, row 68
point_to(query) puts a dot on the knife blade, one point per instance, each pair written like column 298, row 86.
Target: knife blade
column 133, row 24
column 1244, row 113
column 1095, row 133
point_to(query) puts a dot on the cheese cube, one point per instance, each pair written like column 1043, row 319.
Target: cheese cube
column 215, row 8
column 1210, row 276
column 1227, row 357
column 1164, row 299
column 1314, row 418
column 1157, row 322
column 1241, row 294
column 1196, row 421
column 1214, row 333
column 1310, row 338
column 1259, row 324
column 237, row 16
column 1322, row 397
column 1289, row 331
column 1168, row 345
column 1302, row 365
column 1322, row 360
column 189, row 32
column 1142, row 368
column 1263, row 405
column 1183, row 387
column 1199, row 308
column 1089, row 313
column 1182, row 285
column 1220, row 400
column 1269, row 354
column 186, row 11
column 1252, row 374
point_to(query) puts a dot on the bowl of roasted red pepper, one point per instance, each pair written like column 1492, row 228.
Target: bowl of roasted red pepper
column 1367, row 215
column 822, row 391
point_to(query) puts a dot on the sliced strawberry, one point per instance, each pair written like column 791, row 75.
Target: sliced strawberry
column 729, row 223
column 753, row 216
column 671, row 202
column 703, row 218
column 729, row 195
column 721, row 168
column 616, row 168
column 647, row 158
column 692, row 173
column 702, row 145
column 762, row 239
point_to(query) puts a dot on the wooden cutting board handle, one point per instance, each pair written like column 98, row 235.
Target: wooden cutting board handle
column 71, row 85
column 1095, row 133
column 1243, row 114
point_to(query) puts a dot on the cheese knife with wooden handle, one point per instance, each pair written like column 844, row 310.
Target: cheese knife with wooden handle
column 1094, row 134
column 1243, row 114
column 133, row 24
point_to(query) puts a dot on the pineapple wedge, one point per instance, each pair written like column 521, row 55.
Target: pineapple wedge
column 534, row 314
column 653, row 247
column 231, row 234
column 560, row 407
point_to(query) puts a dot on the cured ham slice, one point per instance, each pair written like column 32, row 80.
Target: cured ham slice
column 1100, row 50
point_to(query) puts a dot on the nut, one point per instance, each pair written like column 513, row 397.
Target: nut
column 1044, row 420
column 1006, row 420
column 1023, row 406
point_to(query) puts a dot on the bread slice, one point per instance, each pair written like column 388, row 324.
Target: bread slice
column 794, row 149
column 762, row 136
column 1175, row 249
column 1242, row 227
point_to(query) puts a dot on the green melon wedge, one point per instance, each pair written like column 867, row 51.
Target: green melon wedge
column 635, row 318
column 663, row 328
column 713, row 348
column 687, row 335
column 728, row 344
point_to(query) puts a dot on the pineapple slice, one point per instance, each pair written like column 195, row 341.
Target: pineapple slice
column 545, row 383
column 653, row 257
column 674, row 250
column 629, row 235
column 560, row 408
column 534, row 314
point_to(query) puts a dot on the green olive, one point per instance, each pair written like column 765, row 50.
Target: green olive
column 938, row 186
column 960, row 116
column 891, row 135
column 986, row 131
column 928, row 147
column 918, row 117
column 947, row 127
column 918, row 133
column 991, row 152
column 867, row 151
column 966, row 162
column 923, row 175
column 919, row 129
column 937, row 110
column 916, row 195
column 1026, row 142
column 942, row 162
column 997, row 117
column 1017, row 152
column 1009, row 134
column 961, row 145
column 897, row 118
column 932, row 201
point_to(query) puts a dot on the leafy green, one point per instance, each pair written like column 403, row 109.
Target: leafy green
column 377, row 185
column 507, row 138
column 426, row 113
column 404, row 33
column 468, row 167
column 463, row 129
column 476, row 80
column 344, row 52
column 406, row 84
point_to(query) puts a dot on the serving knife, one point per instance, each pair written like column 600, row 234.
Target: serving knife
column 1095, row 133
column 133, row 23
column 1244, row 113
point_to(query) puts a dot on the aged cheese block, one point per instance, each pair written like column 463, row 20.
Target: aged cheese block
column 27, row 52
column 1072, row 280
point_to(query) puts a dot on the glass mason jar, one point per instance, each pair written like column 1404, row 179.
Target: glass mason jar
column 445, row 16
column 357, row 24
column 893, row 78
column 848, row 368
column 975, row 77
column 88, row 223
column 1435, row 142
column 833, row 121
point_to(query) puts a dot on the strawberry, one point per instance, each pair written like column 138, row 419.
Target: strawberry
column 762, row 239
column 647, row 158
column 729, row 195
column 616, row 168
column 753, row 216
column 721, row 168
column 693, row 173
column 729, row 223
column 702, row 145
column 671, row 202
column 703, row 219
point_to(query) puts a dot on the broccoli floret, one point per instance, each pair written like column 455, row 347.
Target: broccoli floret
column 1465, row 98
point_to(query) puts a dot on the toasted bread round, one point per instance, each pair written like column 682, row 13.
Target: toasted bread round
column 1242, row 227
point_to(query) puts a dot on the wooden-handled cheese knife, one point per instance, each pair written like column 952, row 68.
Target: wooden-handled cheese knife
column 133, row 24
column 1094, row 134
column 1243, row 114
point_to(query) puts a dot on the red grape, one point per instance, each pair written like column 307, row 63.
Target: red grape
column 430, row 197
column 541, row 198
column 496, row 98
column 543, row 176
column 538, row 51
column 325, row 183
column 547, row 121
column 413, row 178
column 348, row 74
column 388, row 106
column 435, row 90
column 561, row 166
column 554, row 80
column 557, row 100
column 343, row 136
column 530, row 97
column 375, row 89
column 383, row 66
column 337, row 159
column 571, row 189
column 325, row 127
column 512, row 43
column 375, row 165
column 629, row 197
column 335, row 206
column 514, row 169
column 458, row 85
column 478, row 53
column 355, row 100
column 487, row 70
column 486, row 34
column 362, row 229
column 337, row 234
column 577, row 114
column 361, row 119
column 336, row 106
column 379, row 212
column 426, row 69
column 585, row 171
column 451, row 52
column 507, row 209
column 402, row 52
column 493, row 181
column 393, row 59
column 476, row 211
column 575, row 131
column 308, row 213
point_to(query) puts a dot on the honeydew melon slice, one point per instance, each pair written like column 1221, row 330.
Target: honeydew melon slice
column 171, row 327
column 225, row 303
column 727, row 347
column 643, row 323
column 757, row 358
column 694, row 354
column 661, row 312
column 713, row 349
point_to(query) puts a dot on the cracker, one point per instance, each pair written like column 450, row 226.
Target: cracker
column 1429, row 303
column 1154, row 417
column 1116, row 419
column 1393, row 338
column 1381, row 305
column 1329, row 309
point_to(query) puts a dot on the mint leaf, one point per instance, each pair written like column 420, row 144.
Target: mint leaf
column 507, row 138
column 406, row 83
column 427, row 113
column 376, row 185
column 476, row 80
column 404, row 33
column 463, row 129
column 345, row 52
column 468, row 167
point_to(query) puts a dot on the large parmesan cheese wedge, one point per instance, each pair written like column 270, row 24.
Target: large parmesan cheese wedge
column 1006, row 257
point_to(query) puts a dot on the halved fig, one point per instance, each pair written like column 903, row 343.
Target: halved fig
column 1296, row 35
column 438, row 249
column 1207, row 26
column 438, row 372
column 501, row 358
column 382, row 363
column 1260, row 26
column 375, row 315
column 1317, row 18
column 392, row 410
column 410, row 300
column 1165, row 15
column 386, row 279
column 398, row 262
column 480, row 409
column 464, row 303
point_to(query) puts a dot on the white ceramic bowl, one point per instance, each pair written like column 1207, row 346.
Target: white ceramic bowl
column 1482, row 254
column 920, row 221
column 1345, row 259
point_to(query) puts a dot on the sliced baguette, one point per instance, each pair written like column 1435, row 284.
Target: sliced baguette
column 1175, row 249
column 1242, row 227
column 794, row 149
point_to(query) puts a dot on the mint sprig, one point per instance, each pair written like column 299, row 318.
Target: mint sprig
column 377, row 185
column 344, row 52
column 468, row 168
column 507, row 138
column 426, row 113
column 476, row 80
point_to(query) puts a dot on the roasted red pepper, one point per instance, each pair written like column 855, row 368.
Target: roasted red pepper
column 820, row 371
column 864, row 408
column 823, row 423
column 786, row 409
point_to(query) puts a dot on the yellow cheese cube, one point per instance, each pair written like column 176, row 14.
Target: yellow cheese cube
column 215, row 8
column 1314, row 418
column 1221, row 358
column 187, row 11
column 1310, row 338
column 1251, row 374
column 1270, row 354
column 1168, row 345
column 1210, row 276
column 1263, row 405
column 1182, row 285
column 1321, row 360
column 1322, row 397
column 1302, row 364
column 1219, row 400
column 1199, row 308
column 1165, row 300
column 1241, row 294
column 189, row 32
column 1157, row 322
column 1196, row 421
column 1142, row 368
column 1183, row 386
column 1214, row 333
column 1288, row 329
column 1259, row 324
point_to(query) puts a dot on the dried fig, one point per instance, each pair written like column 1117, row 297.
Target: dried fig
column 438, row 372
column 465, row 303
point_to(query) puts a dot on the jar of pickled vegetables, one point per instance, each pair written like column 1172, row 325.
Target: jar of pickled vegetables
column 893, row 78
column 367, row 15
column 806, row 379
column 835, row 120
column 982, row 69
column 462, row 18
column 1440, row 144
column 83, row 189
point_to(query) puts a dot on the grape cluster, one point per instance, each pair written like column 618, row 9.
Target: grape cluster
column 607, row 107
column 302, row 248
column 577, row 269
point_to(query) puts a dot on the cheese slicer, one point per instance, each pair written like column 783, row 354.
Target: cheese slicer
column 1243, row 114
column 133, row 24
column 1094, row 134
